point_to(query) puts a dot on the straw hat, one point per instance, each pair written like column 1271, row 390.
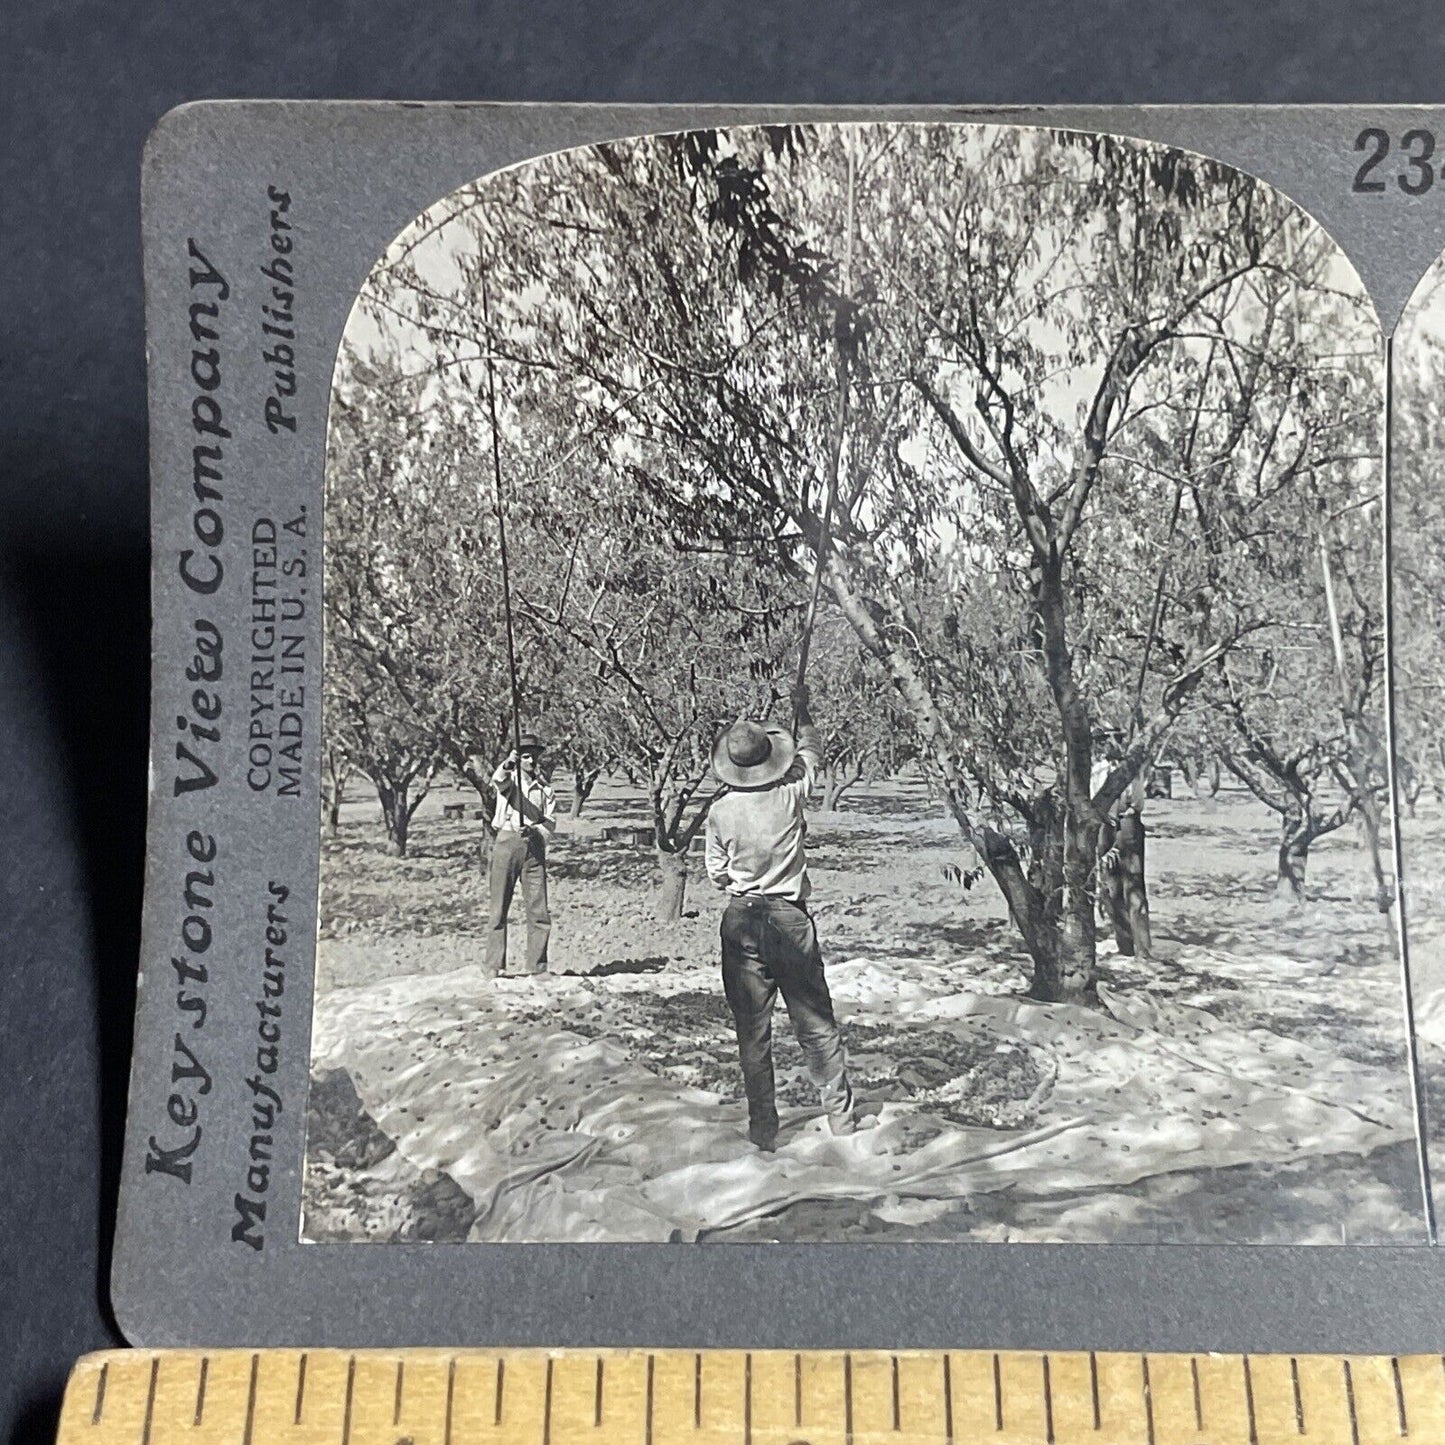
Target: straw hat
column 753, row 754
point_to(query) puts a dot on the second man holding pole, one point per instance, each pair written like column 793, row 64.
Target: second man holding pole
column 525, row 817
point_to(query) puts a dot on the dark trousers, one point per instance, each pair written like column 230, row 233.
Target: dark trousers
column 515, row 857
column 769, row 945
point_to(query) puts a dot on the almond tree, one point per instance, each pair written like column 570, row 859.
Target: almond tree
column 1303, row 704
column 580, row 736
column 336, row 770
column 1283, row 760
column 379, row 679
column 400, row 761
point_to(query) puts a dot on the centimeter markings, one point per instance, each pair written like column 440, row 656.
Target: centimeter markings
column 675, row 1397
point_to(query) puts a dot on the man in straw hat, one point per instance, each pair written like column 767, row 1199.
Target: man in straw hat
column 755, row 851
column 526, row 816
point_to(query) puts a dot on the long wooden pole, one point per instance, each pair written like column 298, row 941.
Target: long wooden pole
column 840, row 423
column 500, row 502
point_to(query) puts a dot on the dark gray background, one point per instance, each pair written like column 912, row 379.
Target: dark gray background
column 80, row 86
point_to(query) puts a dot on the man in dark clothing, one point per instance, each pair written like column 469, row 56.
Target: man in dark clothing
column 525, row 818
column 755, row 851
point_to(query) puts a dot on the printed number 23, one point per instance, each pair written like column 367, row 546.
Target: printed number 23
column 1418, row 146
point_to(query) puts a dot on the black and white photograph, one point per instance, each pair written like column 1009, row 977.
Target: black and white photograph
column 855, row 707
column 1417, row 585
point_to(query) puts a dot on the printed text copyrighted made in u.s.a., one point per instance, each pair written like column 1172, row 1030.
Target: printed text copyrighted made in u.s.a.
column 275, row 731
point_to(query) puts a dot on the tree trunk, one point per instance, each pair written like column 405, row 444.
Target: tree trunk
column 335, row 773
column 672, row 885
column 1412, row 784
column 838, row 777
column 1077, row 936
column 583, row 781
column 1078, row 822
column 1029, row 912
column 395, row 816
column 1129, row 888
column 1369, row 815
column 1214, row 777
column 1061, row 945
column 1112, row 906
column 1356, row 777
column 1046, row 846
column 1294, row 856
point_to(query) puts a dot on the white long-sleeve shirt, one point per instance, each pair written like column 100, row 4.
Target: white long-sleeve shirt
column 539, row 802
column 755, row 836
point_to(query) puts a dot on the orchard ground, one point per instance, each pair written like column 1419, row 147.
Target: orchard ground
column 1249, row 1084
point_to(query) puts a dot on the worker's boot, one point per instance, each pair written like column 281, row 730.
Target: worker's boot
column 764, row 1137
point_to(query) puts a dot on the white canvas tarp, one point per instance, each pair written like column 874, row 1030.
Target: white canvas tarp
column 558, row 1133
